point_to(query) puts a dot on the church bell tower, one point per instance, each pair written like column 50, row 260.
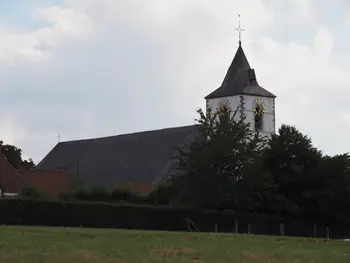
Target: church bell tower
column 241, row 91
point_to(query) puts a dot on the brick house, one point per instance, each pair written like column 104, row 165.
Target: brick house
column 14, row 181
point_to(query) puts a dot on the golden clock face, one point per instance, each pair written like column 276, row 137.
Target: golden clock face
column 258, row 107
column 225, row 105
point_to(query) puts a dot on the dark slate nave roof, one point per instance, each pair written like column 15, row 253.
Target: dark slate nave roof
column 240, row 79
column 143, row 157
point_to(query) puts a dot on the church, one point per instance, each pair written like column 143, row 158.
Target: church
column 147, row 157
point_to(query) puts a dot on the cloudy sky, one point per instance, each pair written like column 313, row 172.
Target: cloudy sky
column 88, row 68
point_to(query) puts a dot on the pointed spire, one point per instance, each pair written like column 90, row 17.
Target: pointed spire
column 240, row 79
column 239, row 62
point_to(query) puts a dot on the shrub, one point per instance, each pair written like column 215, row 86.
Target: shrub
column 81, row 194
column 120, row 195
column 162, row 194
column 98, row 194
column 148, row 217
column 104, row 215
column 28, row 192
column 86, row 194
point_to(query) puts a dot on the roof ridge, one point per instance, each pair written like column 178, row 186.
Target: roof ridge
column 45, row 157
column 127, row 134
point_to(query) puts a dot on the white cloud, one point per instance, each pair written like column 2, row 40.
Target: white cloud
column 323, row 41
column 66, row 23
column 11, row 130
column 302, row 11
column 312, row 89
column 107, row 67
column 66, row 26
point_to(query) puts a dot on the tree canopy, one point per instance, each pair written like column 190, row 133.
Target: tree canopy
column 14, row 156
column 216, row 161
column 227, row 166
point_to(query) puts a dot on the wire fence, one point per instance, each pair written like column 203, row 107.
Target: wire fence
column 292, row 229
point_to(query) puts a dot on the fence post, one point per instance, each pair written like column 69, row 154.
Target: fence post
column 315, row 231
column 216, row 228
column 281, row 229
column 327, row 232
column 236, row 226
column 248, row 229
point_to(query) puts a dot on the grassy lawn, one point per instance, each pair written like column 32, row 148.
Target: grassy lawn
column 68, row 245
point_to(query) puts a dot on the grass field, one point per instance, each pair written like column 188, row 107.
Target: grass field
column 68, row 245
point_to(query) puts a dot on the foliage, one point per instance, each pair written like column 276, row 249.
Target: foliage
column 98, row 193
column 32, row 193
column 162, row 194
column 79, row 213
column 14, row 156
column 103, row 215
column 227, row 166
column 101, row 194
column 330, row 192
column 211, row 168
column 292, row 161
column 120, row 195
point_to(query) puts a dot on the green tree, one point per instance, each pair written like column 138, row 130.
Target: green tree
column 212, row 167
column 292, row 160
column 162, row 194
column 121, row 195
column 14, row 156
column 99, row 193
column 33, row 193
column 331, row 188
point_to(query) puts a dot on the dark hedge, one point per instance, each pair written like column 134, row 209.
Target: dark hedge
column 148, row 217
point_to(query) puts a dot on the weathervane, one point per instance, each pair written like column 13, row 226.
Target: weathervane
column 239, row 29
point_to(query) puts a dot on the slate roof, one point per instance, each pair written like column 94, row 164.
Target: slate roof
column 143, row 157
column 240, row 79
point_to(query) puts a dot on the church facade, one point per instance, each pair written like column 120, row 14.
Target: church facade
column 147, row 157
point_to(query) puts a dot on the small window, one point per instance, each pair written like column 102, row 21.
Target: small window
column 258, row 122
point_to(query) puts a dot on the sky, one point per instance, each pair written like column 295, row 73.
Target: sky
column 93, row 68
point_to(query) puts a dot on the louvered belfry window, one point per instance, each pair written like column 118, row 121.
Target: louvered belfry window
column 258, row 122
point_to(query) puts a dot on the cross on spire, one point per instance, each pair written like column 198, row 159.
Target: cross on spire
column 239, row 29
